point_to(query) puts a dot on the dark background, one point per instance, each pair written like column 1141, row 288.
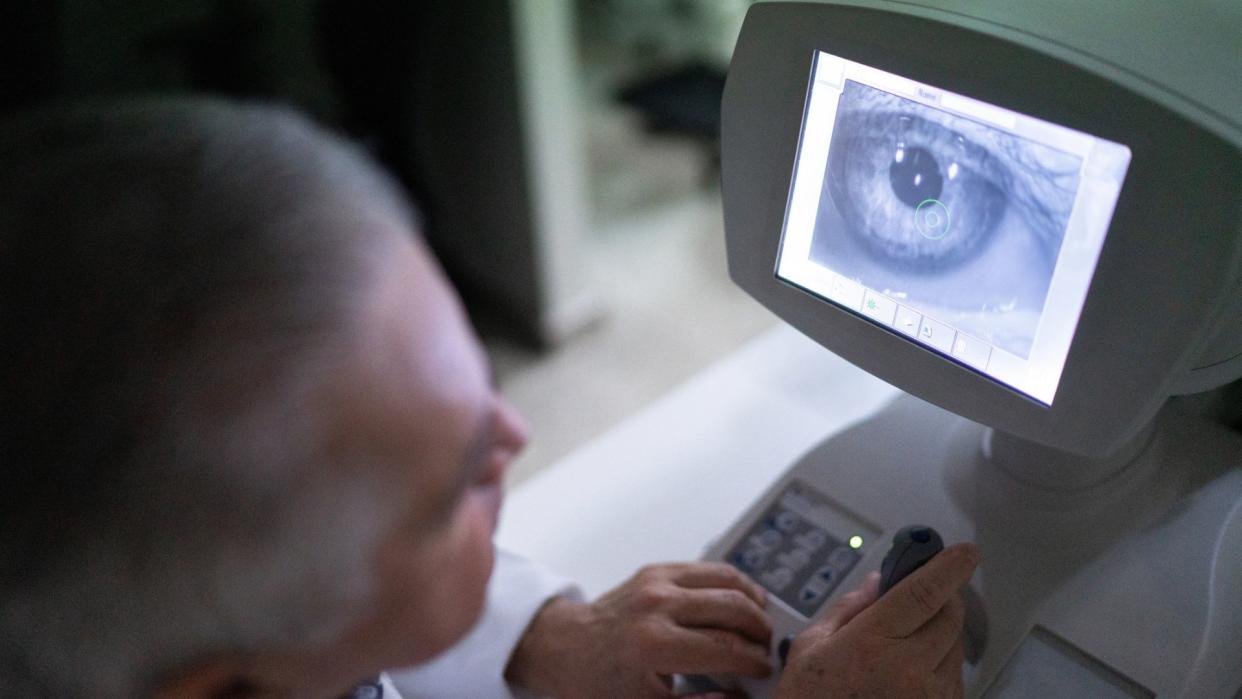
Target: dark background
column 431, row 87
column 390, row 73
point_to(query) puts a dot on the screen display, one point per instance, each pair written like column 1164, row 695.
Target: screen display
column 965, row 227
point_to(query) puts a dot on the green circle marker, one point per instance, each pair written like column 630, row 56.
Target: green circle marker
column 932, row 220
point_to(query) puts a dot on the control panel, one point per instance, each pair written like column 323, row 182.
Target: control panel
column 800, row 548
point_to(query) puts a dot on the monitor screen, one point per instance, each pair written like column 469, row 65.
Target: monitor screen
column 968, row 228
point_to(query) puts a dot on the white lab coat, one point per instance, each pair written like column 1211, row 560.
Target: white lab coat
column 474, row 668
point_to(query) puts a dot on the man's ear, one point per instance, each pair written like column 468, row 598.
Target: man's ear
column 243, row 676
column 216, row 679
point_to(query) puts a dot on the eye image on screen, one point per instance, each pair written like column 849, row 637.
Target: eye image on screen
column 958, row 219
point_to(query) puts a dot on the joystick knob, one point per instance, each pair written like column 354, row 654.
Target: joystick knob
column 912, row 547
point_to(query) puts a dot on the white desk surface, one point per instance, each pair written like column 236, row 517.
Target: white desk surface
column 665, row 482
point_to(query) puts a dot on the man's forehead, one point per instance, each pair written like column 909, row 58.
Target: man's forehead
column 422, row 324
column 429, row 386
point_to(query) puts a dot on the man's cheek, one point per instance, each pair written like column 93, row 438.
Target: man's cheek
column 491, row 499
column 475, row 558
column 482, row 548
column 472, row 549
column 483, row 531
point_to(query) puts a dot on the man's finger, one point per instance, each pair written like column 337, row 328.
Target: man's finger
column 948, row 674
column 724, row 609
column 700, row 575
column 850, row 605
column 918, row 598
column 942, row 635
column 710, row 651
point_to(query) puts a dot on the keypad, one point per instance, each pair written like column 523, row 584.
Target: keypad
column 793, row 557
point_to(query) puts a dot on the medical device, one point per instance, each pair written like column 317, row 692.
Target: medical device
column 1027, row 217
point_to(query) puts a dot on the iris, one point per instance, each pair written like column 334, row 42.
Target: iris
column 885, row 164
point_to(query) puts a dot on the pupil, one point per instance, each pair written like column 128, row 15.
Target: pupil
column 915, row 177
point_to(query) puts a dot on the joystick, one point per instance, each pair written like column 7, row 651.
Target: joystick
column 912, row 547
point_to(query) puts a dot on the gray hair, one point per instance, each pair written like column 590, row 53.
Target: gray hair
column 177, row 278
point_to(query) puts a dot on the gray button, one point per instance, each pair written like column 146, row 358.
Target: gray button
column 812, row 541
column 786, row 521
column 842, row 558
column 753, row 558
column 768, row 539
column 811, row 593
column 777, row 579
column 794, row 559
column 882, row 308
column 972, row 350
column 846, row 292
column 908, row 320
column 827, row 575
column 936, row 334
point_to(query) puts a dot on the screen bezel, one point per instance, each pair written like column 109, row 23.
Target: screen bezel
column 1118, row 371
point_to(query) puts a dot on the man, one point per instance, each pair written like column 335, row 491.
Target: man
column 251, row 449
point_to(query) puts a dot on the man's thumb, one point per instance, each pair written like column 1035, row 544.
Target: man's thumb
column 851, row 604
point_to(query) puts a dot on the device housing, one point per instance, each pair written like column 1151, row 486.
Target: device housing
column 1160, row 315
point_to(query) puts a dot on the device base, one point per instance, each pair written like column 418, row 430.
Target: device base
column 1138, row 570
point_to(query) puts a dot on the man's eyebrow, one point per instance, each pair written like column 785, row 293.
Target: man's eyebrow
column 473, row 461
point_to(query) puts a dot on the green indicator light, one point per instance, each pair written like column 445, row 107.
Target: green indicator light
column 856, row 542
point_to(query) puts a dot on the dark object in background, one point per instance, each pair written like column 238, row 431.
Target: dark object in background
column 28, row 62
column 684, row 101
column 1231, row 405
column 430, row 87
column 364, row 47
column 221, row 52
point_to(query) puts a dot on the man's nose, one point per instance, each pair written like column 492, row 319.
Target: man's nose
column 512, row 430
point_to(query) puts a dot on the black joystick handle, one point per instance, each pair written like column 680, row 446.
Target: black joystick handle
column 782, row 649
column 912, row 547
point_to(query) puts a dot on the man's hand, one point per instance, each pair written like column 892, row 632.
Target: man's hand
column 906, row 644
column 691, row 618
